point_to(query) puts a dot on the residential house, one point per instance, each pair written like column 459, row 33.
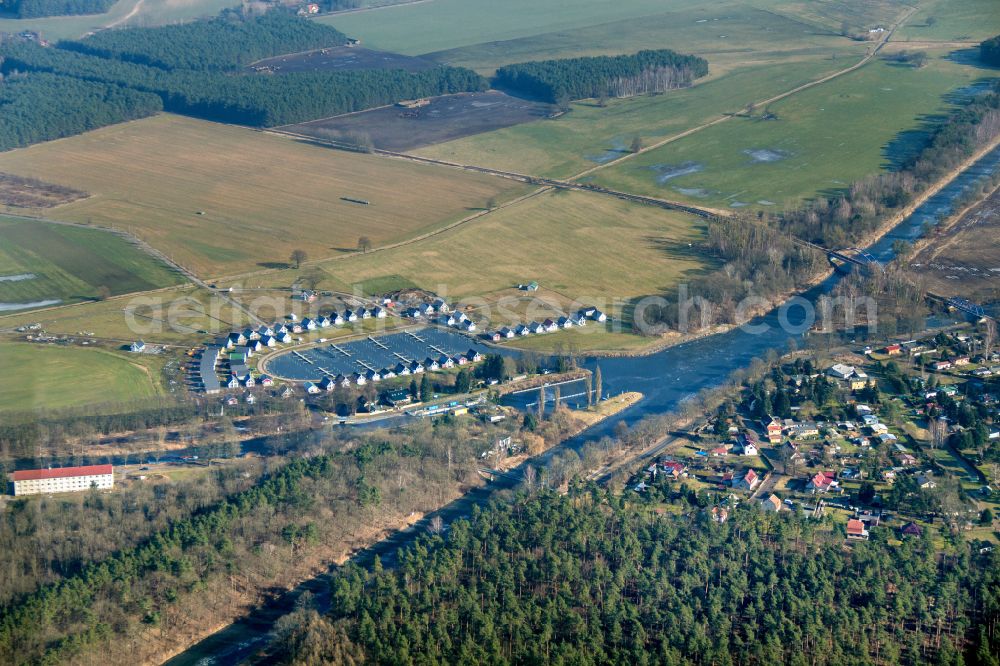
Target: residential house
column 522, row 329
column 771, row 503
column 599, row 316
column 537, row 328
column 840, row 371
column 445, row 361
column 893, row 350
column 508, row 333
column 284, row 338
column 856, row 530
column 250, row 398
column 350, row 315
column 468, row 326
column 911, row 529
column 268, row 341
column 379, row 312
column 441, row 305
column 473, row 356
column 373, row 376
column 748, row 481
column 550, row 326
column 311, row 388
column 925, row 481
column 822, row 482
column 266, row 381
column 719, row 514
column 941, row 365
column 565, row 322
column 719, row 452
column 774, row 431
column 137, row 347
column 416, row 367
column 358, row 379
column 324, row 322
column 674, row 469
column 328, row 383
column 907, row 460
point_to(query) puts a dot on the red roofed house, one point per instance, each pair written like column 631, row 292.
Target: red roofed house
column 856, row 530
column 821, row 483
column 774, row 429
column 674, row 468
column 63, row 479
column 893, row 350
column 749, row 481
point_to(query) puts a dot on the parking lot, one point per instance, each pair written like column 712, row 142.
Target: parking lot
column 372, row 353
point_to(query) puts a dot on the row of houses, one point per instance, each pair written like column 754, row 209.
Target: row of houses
column 359, row 378
column 548, row 326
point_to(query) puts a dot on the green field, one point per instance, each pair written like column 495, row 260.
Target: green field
column 964, row 20
column 823, row 138
column 589, row 135
column 71, row 264
column 124, row 12
column 172, row 316
column 728, row 34
column 49, row 377
column 559, row 28
column 221, row 199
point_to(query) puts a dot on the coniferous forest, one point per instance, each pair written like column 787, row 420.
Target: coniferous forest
column 559, row 81
column 989, row 51
column 593, row 578
column 192, row 69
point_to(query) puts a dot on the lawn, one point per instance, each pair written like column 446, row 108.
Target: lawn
column 823, row 139
column 578, row 246
column 221, row 199
column 68, row 264
column 49, row 377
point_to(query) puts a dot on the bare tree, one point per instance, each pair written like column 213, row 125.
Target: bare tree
column 364, row 244
column 939, row 432
column 436, row 525
column 297, row 257
column 530, row 476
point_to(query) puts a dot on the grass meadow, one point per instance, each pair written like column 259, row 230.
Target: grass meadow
column 823, row 138
column 185, row 315
column 58, row 377
column 221, row 199
column 577, row 246
column 73, row 264
column 589, row 135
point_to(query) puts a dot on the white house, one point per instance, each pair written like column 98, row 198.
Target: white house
column 840, row 371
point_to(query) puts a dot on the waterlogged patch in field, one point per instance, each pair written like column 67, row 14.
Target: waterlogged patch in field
column 814, row 142
column 667, row 172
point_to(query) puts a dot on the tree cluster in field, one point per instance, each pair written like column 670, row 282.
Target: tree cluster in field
column 594, row 578
column 39, row 8
column 190, row 68
column 228, row 42
column 41, row 106
column 559, row 81
column 989, row 51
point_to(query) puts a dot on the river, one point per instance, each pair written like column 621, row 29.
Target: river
column 666, row 378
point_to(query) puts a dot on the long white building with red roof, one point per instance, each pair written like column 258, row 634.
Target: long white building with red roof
column 63, row 479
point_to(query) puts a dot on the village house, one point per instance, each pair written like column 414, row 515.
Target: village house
column 746, row 444
column 565, row 322
column 774, row 431
column 719, row 514
column 840, row 371
column 328, row 383
column 507, row 333
column 856, row 530
column 893, row 350
column 311, row 388
column 719, row 452
column 599, row 316
column 911, row 529
column 550, row 326
column 537, row 328
column 941, row 365
column 822, row 482
column 748, row 481
column 674, row 469
column 137, row 347
column 771, row 503
column 522, row 330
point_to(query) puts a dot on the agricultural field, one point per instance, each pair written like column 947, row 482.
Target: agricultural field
column 46, row 264
column 558, row 31
column 577, row 246
column 221, row 199
column 589, row 136
column 728, row 34
column 185, row 315
column 58, row 377
column 444, row 118
column 950, row 21
column 815, row 142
